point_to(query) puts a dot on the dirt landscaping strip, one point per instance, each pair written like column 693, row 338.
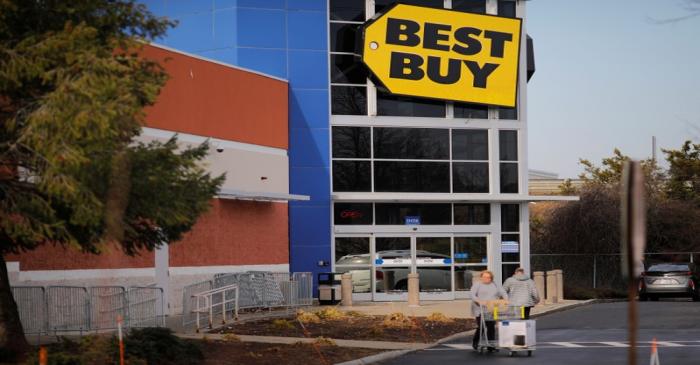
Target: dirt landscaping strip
column 369, row 328
column 255, row 353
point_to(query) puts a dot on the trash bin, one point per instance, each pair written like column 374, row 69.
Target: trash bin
column 329, row 288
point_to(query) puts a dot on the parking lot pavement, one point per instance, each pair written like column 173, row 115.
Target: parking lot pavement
column 594, row 333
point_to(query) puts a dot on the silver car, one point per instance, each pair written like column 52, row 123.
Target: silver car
column 670, row 280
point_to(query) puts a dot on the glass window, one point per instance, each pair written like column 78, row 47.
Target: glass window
column 509, row 177
column 433, row 248
column 351, row 142
column 508, row 145
column 471, row 111
column 470, row 144
column 404, row 106
column 510, row 256
column 510, row 217
column 346, row 69
column 343, row 37
column 508, row 113
column 347, row 10
column 349, row 100
column 465, row 276
column 380, row 5
column 507, row 270
column 352, row 251
column 417, row 177
column 506, row 8
column 470, row 250
column 395, row 213
column 361, row 277
column 470, row 177
column 352, row 213
column 472, row 214
column 470, row 6
column 412, row 143
column 351, row 176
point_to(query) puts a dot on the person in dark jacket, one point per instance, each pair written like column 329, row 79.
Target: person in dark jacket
column 522, row 291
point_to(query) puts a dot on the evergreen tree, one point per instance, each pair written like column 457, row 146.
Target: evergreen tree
column 72, row 92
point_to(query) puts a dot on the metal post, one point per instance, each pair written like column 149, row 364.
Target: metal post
column 223, row 307
column 633, row 224
column 236, row 305
column 595, row 271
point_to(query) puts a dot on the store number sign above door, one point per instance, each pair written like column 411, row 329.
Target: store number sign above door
column 444, row 54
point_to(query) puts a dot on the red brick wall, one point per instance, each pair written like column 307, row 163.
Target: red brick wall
column 236, row 232
column 50, row 257
column 232, row 232
column 208, row 99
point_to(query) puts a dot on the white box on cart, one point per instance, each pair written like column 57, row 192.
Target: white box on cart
column 510, row 332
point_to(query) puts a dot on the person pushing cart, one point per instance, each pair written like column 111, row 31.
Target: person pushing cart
column 500, row 324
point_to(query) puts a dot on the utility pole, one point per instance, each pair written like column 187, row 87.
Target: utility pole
column 653, row 149
column 633, row 242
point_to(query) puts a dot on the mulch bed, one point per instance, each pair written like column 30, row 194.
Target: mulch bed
column 354, row 328
column 251, row 353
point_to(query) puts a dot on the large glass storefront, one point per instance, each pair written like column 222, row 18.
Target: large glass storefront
column 380, row 263
column 392, row 156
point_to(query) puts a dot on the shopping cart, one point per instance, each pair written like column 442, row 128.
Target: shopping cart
column 511, row 331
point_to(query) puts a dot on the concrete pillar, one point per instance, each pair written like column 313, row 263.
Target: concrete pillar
column 552, row 287
column 560, row 285
column 413, row 288
column 162, row 269
column 346, row 290
column 538, row 277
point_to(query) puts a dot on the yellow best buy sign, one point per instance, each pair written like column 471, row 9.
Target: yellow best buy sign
column 444, row 54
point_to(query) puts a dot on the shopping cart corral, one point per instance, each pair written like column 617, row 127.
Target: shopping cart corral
column 512, row 332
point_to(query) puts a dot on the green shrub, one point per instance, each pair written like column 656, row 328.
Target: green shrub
column 159, row 346
column 147, row 346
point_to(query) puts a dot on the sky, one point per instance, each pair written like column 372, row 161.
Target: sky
column 610, row 75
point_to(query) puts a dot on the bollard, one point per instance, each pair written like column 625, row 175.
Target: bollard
column 538, row 277
column 346, row 290
column 413, row 295
column 560, row 285
column 552, row 287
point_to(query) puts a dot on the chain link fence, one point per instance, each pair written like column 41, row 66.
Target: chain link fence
column 256, row 290
column 61, row 309
column 599, row 271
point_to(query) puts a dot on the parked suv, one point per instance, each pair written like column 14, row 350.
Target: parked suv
column 670, row 280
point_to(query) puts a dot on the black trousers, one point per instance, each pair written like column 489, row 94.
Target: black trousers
column 490, row 331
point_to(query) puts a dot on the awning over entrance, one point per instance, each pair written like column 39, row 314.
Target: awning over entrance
column 260, row 196
column 446, row 197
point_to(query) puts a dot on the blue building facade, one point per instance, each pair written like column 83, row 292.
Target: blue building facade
column 287, row 39
column 397, row 184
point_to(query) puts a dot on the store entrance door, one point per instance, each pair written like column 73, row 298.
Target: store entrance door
column 395, row 256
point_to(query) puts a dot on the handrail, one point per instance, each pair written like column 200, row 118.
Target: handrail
column 208, row 303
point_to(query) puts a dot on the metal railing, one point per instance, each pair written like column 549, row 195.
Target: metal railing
column 60, row 309
column 599, row 271
column 256, row 290
column 205, row 303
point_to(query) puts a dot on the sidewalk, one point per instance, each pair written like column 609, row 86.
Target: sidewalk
column 453, row 309
column 368, row 344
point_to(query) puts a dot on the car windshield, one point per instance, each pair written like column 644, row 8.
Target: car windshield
column 668, row 267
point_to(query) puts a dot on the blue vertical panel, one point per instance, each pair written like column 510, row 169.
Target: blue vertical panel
column 309, row 155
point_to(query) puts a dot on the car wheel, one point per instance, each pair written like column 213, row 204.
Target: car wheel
column 696, row 296
column 643, row 298
column 654, row 298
